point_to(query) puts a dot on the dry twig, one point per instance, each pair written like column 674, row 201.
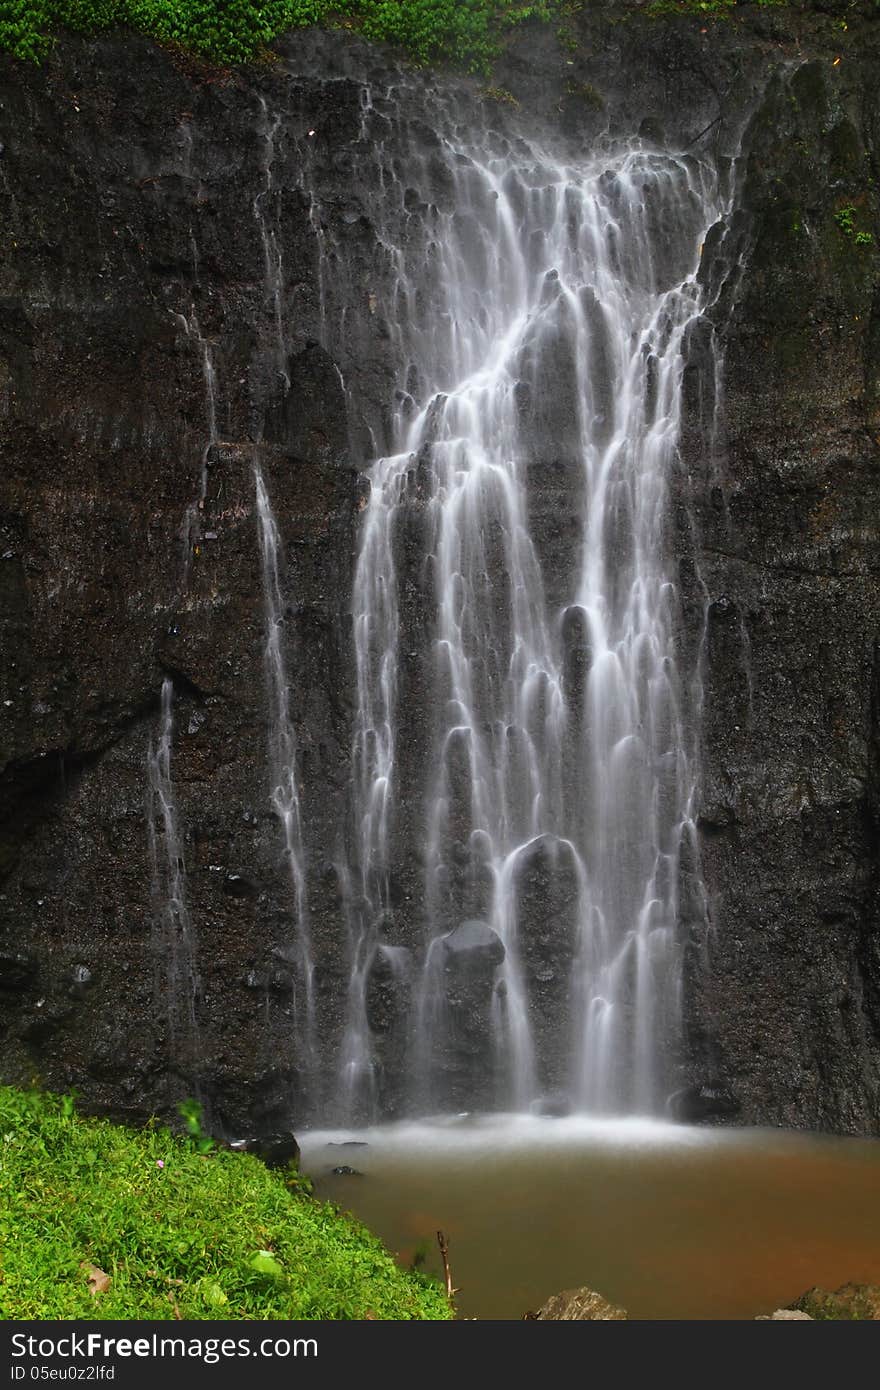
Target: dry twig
column 451, row 1291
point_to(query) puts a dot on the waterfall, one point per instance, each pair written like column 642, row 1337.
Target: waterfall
column 177, row 982
column 539, row 317
column 191, row 529
column 284, row 794
column 272, row 257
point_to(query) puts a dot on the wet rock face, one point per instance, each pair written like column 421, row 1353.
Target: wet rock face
column 462, row 992
column 547, row 904
column 782, row 995
column 160, row 221
column 141, row 257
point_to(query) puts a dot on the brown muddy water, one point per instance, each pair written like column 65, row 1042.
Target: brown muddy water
column 666, row 1220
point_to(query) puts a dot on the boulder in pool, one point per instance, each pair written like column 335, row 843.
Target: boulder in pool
column 583, row 1305
column 276, row 1150
column 850, row 1303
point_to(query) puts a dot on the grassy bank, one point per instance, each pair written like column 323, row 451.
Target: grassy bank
column 180, row 1234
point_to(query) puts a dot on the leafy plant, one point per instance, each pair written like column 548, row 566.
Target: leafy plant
column 264, row 1262
column 846, row 218
column 191, row 1113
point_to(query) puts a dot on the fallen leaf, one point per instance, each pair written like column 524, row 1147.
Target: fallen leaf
column 99, row 1282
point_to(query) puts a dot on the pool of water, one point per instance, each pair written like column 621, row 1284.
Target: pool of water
column 666, row 1220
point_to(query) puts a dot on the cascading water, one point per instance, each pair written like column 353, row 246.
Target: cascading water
column 274, row 279
column 177, row 982
column 190, row 530
column 539, row 319
column 284, row 795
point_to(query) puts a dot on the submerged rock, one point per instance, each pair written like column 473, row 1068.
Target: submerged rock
column 580, row 1304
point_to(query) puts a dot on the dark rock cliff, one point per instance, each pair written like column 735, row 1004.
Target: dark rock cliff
column 144, row 199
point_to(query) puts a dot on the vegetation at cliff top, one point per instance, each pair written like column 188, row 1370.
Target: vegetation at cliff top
column 178, row 1232
column 465, row 32
column 233, row 31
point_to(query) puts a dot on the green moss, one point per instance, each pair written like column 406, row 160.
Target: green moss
column 585, row 93
column 702, row 9
column 180, row 1233
column 847, row 218
column 500, row 95
column 851, row 1303
column 467, row 32
column 722, row 9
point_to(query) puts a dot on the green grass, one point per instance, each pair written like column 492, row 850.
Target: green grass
column 466, row 32
column 180, row 1233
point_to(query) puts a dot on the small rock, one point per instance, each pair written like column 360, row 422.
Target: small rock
column 343, row 1171
column 237, row 886
column 80, row 980
column 282, row 982
column 276, row 1150
column 784, row 1315
column 580, row 1304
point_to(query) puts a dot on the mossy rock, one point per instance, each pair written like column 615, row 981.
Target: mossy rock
column 851, row 1302
column 580, row 1305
